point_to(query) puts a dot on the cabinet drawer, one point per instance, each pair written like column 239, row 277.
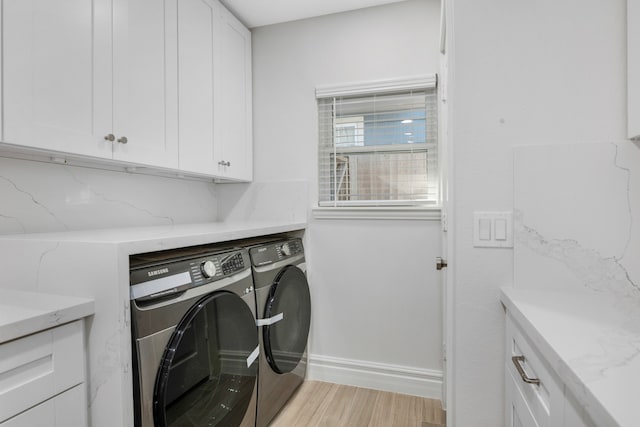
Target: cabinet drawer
column 518, row 412
column 65, row 410
column 40, row 366
column 544, row 400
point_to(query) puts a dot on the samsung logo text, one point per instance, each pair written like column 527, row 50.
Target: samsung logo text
column 156, row 272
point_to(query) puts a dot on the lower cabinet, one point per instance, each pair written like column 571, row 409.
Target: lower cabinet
column 518, row 412
column 535, row 395
column 574, row 414
column 42, row 379
column 63, row 410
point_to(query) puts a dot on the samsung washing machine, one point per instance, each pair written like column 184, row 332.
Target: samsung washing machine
column 283, row 307
column 194, row 337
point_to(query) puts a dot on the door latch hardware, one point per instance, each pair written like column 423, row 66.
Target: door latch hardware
column 440, row 263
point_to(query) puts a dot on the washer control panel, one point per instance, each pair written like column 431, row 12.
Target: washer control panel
column 232, row 264
column 208, row 268
column 277, row 251
column 158, row 278
column 215, row 267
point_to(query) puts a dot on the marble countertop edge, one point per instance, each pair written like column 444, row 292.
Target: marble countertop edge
column 25, row 313
column 156, row 238
column 224, row 229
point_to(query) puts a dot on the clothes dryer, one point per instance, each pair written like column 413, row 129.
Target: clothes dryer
column 283, row 306
column 194, row 338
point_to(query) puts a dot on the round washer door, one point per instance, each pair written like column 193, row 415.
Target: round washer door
column 208, row 372
column 285, row 341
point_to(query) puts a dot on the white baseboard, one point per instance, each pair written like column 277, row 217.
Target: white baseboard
column 378, row 376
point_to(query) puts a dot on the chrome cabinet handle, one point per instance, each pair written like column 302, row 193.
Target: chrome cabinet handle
column 223, row 163
column 110, row 137
column 517, row 361
column 123, row 140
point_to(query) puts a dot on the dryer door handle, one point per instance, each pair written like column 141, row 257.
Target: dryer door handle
column 270, row 321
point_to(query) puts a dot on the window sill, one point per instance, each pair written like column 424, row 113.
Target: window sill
column 378, row 212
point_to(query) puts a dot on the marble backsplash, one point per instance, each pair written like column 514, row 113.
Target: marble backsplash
column 45, row 197
column 263, row 200
column 577, row 217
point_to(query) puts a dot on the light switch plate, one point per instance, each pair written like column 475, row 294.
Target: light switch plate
column 492, row 229
column 484, row 229
column 500, row 226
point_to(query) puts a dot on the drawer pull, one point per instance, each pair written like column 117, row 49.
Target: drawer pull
column 518, row 360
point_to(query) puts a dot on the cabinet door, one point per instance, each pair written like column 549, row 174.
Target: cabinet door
column 39, row 366
column 574, row 414
column 65, row 410
column 517, row 411
column 56, row 75
column 145, row 82
column 633, row 68
column 233, row 126
column 197, row 20
column 543, row 401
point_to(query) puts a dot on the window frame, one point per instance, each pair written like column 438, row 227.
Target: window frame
column 429, row 210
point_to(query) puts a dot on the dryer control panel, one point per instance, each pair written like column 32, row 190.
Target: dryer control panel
column 274, row 252
column 152, row 277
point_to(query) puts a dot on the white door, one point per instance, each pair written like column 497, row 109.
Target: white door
column 56, row 63
column 233, row 99
column 197, row 21
column 145, row 82
column 633, row 68
column 446, row 175
column 446, row 275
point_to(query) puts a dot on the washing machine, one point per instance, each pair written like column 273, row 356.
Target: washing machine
column 283, row 306
column 194, row 338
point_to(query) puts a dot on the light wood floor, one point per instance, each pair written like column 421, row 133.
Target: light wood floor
column 332, row 405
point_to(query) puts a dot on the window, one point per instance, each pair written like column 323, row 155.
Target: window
column 378, row 145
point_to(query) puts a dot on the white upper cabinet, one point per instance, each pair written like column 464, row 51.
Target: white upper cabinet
column 214, row 91
column 233, row 107
column 159, row 83
column 197, row 20
column 633, row 68
column 69, row 88
column 145, row 75
column 56, row 63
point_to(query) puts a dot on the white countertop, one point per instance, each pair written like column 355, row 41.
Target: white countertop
column 24, row 313
column 145, row 239
column 592, row 341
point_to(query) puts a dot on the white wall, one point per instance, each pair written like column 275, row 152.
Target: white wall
column 542, row 72
column 376, row 296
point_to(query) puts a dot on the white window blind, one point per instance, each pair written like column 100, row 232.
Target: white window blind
column 379, row 149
